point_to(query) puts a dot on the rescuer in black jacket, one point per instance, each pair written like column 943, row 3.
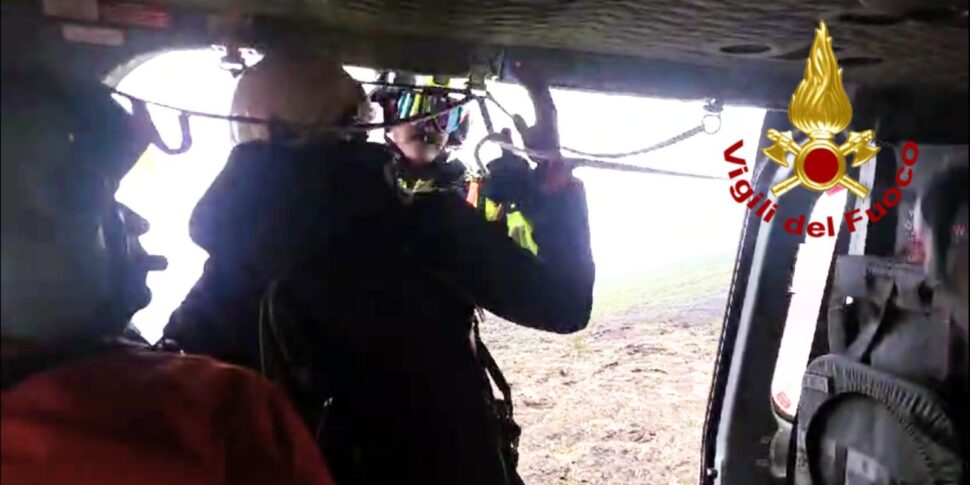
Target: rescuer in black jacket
column 422, row 150
column 366, row 293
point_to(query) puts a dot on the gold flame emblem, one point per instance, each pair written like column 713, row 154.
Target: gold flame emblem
column 820, row 109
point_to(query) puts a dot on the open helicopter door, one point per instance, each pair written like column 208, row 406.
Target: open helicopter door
column 742, row 418
column 775, row 320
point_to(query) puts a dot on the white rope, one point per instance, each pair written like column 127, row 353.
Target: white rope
column 713, row 114
column 593, row 160
column 260, row 121
column 666, row 143
column 592, row 163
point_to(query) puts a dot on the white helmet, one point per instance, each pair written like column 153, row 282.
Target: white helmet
column 299, row 89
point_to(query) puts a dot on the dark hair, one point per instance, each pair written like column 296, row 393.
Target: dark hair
column 940, row 204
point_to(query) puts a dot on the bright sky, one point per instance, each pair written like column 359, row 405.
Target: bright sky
column 637, row 221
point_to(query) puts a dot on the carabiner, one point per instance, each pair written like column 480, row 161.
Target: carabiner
column 712, row 120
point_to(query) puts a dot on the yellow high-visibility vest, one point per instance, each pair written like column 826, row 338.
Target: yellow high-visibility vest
column 520, row 229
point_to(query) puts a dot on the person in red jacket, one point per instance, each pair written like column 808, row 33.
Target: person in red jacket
column 81, row 405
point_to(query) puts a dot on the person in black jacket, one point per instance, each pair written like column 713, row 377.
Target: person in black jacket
column 320, row 264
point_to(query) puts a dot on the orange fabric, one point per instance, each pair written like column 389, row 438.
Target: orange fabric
column 473, row 188
column 135, row 416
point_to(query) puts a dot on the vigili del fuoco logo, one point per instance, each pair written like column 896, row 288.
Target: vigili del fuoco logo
column 821, row 110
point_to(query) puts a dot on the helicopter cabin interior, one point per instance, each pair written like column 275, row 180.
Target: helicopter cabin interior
column 904, row 66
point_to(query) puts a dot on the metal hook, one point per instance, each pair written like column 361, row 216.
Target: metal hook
column 711, row 123
column 140, row 112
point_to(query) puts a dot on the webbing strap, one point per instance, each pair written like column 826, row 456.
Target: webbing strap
column 284, row 353
column 881, row 291
column 510, row 431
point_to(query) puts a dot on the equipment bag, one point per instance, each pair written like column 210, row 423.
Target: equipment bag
column 888, row 405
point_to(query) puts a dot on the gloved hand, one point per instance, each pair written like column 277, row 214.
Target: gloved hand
column 553, row 174
column 511, row 180
column 543, row 136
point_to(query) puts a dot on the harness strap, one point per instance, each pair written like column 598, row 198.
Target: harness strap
column 284, row 355
column 492, row 368
column 509, row 430
column 882, row 292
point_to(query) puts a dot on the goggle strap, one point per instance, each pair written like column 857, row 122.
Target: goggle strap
column 404, row 105
column 414, row 103
column 416, row 107
column 453, row 119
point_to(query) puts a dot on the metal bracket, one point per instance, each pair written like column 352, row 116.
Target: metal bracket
column 484, row 63
column 714, row 106
column 233, row 61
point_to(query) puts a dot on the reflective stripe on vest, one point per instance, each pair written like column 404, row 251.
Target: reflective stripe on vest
column 492, row 210
column 520, row 230
column 418, row 187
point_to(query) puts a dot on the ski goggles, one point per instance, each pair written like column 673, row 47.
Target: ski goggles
column 404, row 104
